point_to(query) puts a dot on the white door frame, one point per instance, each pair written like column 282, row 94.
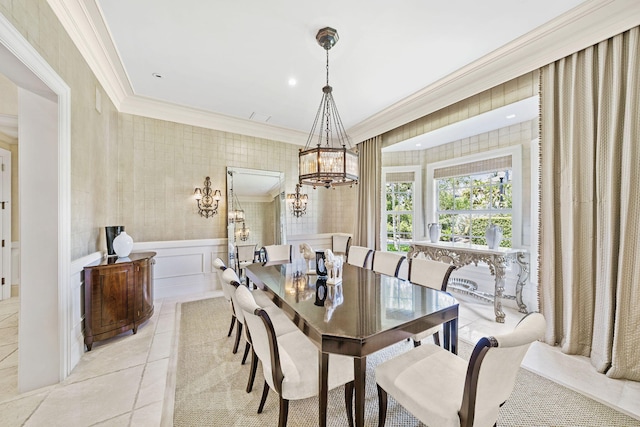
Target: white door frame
column 6, row 223
column 34, row 73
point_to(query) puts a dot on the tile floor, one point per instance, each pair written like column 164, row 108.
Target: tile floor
column 122, row 381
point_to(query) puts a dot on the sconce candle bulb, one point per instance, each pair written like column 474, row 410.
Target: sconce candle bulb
column 207, row 199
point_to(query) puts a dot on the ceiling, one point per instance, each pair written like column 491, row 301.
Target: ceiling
column 227, row 65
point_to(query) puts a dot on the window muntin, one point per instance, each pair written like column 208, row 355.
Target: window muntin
column 466, row 205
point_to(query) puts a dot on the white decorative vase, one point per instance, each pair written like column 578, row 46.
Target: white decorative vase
column 122, row 244
column 493, row 235
column 434, row 231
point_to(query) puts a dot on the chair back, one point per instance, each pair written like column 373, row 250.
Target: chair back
column 218, row 264
column 492, row 370
column 230, row 279
column 389, row 263
column 430, row 273
column 245, row 253
column 340, row 243
column 359, row 256
column 278, row 253
column 263, row 337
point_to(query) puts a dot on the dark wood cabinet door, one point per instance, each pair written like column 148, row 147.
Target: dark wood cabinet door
column 112, row 298
column 118, row 296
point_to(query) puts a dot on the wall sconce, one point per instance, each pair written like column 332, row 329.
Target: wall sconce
column 207, row 203
column 298, row 202
column 243, row 234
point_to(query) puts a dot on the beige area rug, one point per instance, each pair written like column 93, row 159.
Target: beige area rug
column 210, row 387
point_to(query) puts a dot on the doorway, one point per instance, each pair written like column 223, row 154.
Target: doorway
column 44, row 197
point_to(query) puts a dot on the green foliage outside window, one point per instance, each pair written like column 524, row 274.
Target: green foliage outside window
column 466, row 205
column 399, row 209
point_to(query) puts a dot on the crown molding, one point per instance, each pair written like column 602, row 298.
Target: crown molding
column 83, row 22
column 585, row 25
column 162, row 110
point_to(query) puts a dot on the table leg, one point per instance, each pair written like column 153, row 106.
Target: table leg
column 451, row 336
column 453, row 325
column 500, row 264
column 360, row 371
column 523, row 277
column 323, row 371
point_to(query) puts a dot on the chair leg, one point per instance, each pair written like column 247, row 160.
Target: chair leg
column 238, row 334
column 284, row 412
column 252, row 371
column 233, row 322
column 263, row 400
column 436, row 339
column 246, row 353
column 382, row 406
column 348, row 400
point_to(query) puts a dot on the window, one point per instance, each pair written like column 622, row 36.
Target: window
column 402, row 196
column 470, row 193
column 468, row 204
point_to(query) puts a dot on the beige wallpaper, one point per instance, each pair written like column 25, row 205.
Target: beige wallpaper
column 514, row 90
column 8, row 96
column 160, row 163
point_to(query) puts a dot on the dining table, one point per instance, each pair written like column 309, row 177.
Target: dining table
column 362, row 314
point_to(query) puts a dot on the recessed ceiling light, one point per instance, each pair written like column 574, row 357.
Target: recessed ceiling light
column 292, row 82
column 511, row 116
column 418, row 145
column 157, row 75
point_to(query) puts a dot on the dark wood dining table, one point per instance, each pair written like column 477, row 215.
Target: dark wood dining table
column 365, row 313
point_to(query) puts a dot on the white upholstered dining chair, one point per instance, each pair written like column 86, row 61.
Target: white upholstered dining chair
column 282, row 323
column 218, row 264
column 442, row 389
column 278, row 253
column 228, row 277
column 431, row 274
column 290, row 361
column 340, row 243
column 390, row 263
column 244, row 256
column 359, row 256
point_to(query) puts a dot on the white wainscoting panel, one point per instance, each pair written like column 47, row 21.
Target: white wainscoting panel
column 185, row 267
column 76, row 307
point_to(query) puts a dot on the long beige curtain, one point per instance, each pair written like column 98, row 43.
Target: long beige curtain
column 590, row 204
column 368, row 212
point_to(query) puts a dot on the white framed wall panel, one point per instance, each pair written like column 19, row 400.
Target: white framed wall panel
column 184, row 267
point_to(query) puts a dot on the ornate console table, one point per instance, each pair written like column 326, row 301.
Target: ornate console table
column 461, row 254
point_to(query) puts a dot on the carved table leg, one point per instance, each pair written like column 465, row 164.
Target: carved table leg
column 500, row 264
column 523, row 277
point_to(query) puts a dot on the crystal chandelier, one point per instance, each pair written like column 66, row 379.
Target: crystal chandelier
column 332, row 161
column 298, row 202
